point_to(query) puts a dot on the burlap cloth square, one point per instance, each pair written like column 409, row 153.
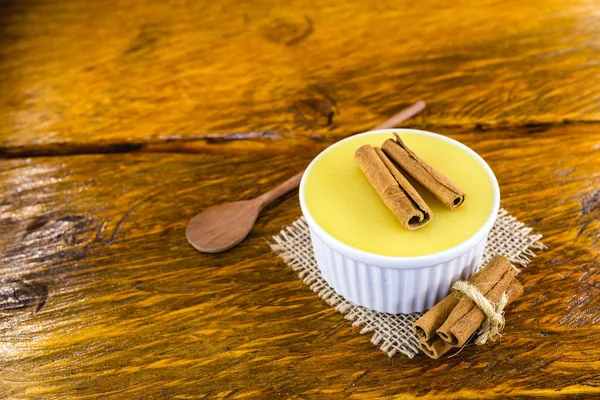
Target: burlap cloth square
column 393, row 333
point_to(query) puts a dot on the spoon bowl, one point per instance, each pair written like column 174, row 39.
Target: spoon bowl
column 223, row 226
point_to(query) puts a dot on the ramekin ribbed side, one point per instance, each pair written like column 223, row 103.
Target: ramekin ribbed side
column 393, row 290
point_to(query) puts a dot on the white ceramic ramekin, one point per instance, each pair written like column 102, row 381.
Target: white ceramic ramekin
column 397, row 284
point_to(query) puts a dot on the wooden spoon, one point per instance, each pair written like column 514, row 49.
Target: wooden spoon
column 221, row 227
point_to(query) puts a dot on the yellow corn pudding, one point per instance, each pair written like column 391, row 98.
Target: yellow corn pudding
column 342, row 202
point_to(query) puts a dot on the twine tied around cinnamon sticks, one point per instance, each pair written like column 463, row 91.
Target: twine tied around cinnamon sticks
column 494, row 322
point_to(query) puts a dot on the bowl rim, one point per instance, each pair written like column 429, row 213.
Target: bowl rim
column 399, row 262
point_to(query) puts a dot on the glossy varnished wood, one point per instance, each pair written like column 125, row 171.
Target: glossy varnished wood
column 116, row 74
column 130, row 310
column 101, row 296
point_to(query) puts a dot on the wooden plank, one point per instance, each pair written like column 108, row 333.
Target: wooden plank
column 132, row 311
column 117, row 73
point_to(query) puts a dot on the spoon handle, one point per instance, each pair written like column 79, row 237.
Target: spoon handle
column 281, row 189
column 402, row 116
column 292, row 183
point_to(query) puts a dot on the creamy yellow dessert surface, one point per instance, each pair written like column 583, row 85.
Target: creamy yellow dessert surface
column 343, row 203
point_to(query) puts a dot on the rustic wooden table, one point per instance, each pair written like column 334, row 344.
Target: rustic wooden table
column 119, row 120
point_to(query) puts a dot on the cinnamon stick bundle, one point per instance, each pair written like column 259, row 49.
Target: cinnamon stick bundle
column 396, row 192
column 435, row 347
column 461, row 316
column 426, row 326
column 452, row 321
column 436, row 183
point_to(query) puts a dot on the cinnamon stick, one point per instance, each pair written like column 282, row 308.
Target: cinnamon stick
column 468, row 325
column 426, row 326
column 436, row 183
column 396, row 192
column 435, row 347
column 429, row 322
column 503, row 274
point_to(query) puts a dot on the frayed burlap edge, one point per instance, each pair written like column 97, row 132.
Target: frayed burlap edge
column 393, row 333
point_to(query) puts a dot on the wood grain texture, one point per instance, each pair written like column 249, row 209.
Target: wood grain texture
column 132, row 311
column 112, row 74
column 102, row 297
